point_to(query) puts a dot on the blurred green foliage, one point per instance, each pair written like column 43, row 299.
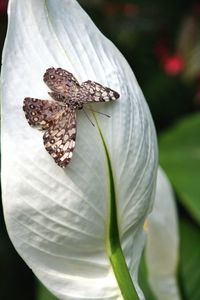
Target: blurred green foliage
column 160, row 40
column 180, row 158
column 189, row 270
column 43, row 293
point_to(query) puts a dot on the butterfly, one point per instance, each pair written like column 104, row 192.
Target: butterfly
column 57, row 117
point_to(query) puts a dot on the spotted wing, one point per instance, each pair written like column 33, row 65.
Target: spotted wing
column 91, row 91
column 42, row 113
column 62, row 83
column 59, row 139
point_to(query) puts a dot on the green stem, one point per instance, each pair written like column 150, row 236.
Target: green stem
column 115, row 252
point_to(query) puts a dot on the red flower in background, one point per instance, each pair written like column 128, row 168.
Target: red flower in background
column 172, row 64
column 3, row 6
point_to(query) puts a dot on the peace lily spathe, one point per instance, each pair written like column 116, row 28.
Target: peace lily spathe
column 162, row 242
column 62, row 222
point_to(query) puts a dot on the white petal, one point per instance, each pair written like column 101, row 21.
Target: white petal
column 58, row 219
column 162, row 242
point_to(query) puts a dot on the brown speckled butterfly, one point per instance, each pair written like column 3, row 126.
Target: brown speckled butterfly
column 58, row 116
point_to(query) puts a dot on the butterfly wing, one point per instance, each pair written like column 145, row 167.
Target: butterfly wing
column 61, row 82
column 91, row 91
column 59, row 139
column 42, row 113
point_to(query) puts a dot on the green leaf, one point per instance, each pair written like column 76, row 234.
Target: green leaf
column 190, row 259
column 180, row 158
column 43, row 293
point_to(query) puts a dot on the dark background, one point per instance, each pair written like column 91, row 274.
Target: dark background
column 157, row 38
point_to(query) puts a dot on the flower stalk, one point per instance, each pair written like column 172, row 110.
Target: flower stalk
column 115, row 252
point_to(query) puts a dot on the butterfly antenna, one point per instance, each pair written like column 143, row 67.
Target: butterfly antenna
column 88, row 117
column 98, row 112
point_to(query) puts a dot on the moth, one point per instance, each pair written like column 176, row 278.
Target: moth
column 57, row 117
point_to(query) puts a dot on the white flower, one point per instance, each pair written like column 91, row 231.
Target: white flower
column 162, row 242
column 66, row 224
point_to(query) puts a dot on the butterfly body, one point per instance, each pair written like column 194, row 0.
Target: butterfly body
column 58, row 116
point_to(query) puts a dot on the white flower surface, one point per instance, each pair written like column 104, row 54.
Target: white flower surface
column 58, row 220
column 162, row 242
